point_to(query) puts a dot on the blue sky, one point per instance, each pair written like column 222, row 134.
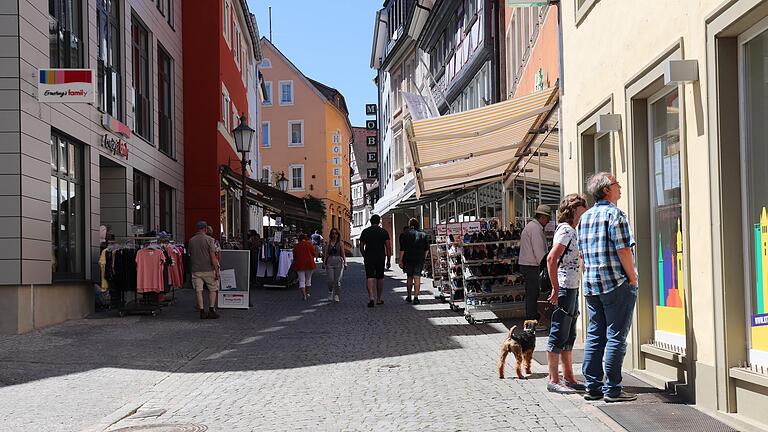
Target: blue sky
column 329, row 40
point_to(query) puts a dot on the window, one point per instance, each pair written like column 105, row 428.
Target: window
column 357, row 219
column 295, row 133
column 399, row 153
column 297, row 177
column 266, row 175
column 286, row 92
column 166, row 208
column 265, row 138
column 165, row 100
column 266, row 63
column 236, row 44
column 142, row 193
column 225, row 107
column 67, row 211
column 225, row 22
column 267, row 93
column 582, row 9
column 109, row 56
column 142, row 87
column 244, row 61
column 166, row 9
column 66, row 33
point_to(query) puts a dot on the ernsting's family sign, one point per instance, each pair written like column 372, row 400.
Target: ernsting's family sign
column 66, row 85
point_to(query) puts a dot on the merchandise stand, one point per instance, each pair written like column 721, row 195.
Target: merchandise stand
column 440, row 279
column 143, row 306
column 491, row 280
column 456, row 279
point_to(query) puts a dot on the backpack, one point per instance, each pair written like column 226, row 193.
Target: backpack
column 545, row 284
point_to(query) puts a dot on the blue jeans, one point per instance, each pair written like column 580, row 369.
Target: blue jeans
column 610, row 316
column 562, row 334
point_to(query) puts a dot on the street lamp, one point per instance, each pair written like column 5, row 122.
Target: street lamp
column 282, row 182
column 243, row 136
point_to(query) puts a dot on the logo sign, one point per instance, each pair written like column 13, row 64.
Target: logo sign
column 115, row 146
column 759, row 320
column 232, row 299
column 373, row 173
column 66, row 85
column 371, row 140
column 372, row 156
column 113, row 125
column 370, row 124
column 370, row 109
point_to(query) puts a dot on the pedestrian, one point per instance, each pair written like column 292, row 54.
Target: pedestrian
column 317, row 241
column 533, row 248
column 204, row 266
column 413, row 251
column 304, row 263
column 334, row 262
column 606, row 243
column 375, row 247
column 565, row 273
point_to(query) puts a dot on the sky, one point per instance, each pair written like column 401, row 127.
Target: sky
column 329, row 41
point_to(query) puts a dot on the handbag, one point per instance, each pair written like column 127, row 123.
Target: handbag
column 545, row 284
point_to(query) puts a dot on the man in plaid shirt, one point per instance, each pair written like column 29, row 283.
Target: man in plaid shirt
column 606, row 244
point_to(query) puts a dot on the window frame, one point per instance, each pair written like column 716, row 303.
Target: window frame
column 280, row 87
column 110, row 75
column 265, row 63
column 581, row 11
column 145, row 211
column 165, row 77
column 267, row 168
column 167, row 208
column 65, row 32
column 291, row 187
column 225, row 110
column 268, row 86
column 74, row 151
column 268, row 124
column 142, row 109
column 290, row 133
column 227, row 22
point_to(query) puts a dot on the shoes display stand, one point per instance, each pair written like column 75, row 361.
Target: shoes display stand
column 440, row 281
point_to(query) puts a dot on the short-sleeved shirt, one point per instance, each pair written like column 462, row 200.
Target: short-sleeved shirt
column 603, row 230
column 375, row 238
column 201, row 247
column 568, row 272
column 414, row 244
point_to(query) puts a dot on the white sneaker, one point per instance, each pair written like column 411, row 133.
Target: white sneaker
column 336, row 298
column 330, row 296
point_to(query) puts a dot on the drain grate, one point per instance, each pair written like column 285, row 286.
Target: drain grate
column 663, row 418
column 188, row 427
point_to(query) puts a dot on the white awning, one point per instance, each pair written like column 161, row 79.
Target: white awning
column 477, row 145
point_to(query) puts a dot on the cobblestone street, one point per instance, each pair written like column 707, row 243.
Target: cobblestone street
column 282, row 365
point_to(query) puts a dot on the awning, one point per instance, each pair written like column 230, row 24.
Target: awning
column 475, row 146
column 541, row 161
column 384, row 205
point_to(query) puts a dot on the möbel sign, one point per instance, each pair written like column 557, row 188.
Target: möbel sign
column 66, row 85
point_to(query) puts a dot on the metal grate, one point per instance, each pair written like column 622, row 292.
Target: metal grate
column 660, row 417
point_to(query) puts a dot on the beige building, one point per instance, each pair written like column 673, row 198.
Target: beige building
column 687, row 141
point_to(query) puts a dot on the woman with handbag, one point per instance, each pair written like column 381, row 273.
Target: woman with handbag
column 564, row 271
column 334, row 262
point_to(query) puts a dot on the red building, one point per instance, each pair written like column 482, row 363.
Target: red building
column 222, row 40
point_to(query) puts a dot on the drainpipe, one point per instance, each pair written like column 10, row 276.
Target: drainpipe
column 495, row 18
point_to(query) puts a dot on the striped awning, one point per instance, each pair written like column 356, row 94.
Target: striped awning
column 475, row 146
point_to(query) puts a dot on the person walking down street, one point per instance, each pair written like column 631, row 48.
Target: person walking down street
column 304, row 263
column 533, row 248
column 317, row 241
column 413, row 251
column 564, row 268
column 334, row 262
column 375, row 246
column 606, row 243
column 204, row 265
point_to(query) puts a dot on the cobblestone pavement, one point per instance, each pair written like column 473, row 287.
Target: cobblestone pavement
column 282, row 365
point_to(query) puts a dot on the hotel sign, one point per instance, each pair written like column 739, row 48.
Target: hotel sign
column 66, row 85
column 115, row 146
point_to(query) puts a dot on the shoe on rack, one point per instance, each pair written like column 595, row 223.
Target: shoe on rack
column 416, row 301
column 408, row 299
column 203, row 315
column 336, row 298
column 593, row 396
column 212, row 314
column 621, row 397
column 370, row 304
column 574, row 385
column 560, row 388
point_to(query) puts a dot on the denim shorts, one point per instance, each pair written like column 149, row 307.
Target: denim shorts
column 562, row 334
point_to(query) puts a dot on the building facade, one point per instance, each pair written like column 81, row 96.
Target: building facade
column 305, row 136
column 76, row 173
column 680, row 121
column 364, row 163
column 217, row 89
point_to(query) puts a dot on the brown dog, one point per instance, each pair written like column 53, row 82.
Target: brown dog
column 521, row 345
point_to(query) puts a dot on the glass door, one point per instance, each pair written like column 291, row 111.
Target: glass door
column 667, row 226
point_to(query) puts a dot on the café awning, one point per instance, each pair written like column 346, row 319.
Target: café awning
column 478, row 145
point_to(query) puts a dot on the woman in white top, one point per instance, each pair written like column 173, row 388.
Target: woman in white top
column 563, row 265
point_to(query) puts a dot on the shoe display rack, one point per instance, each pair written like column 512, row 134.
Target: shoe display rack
column 490, row 278
column 440, row 280
column 455, row 293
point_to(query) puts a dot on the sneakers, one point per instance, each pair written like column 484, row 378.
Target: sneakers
column 593, row 396
column 574, row 385
column 416, row 301
column 330, row 296
column 408, row 299
column 212, row 314
column 336, row 298
column 621, row 397
column 560, row 388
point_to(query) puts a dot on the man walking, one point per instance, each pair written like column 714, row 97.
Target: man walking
column 317, row 240
column 204, row 265
column 610, row 288
column 413, row 251
column 375, row 246
column 533, row 247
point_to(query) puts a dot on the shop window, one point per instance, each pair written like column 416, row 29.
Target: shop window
column 265, row 138
column 142, row 87
column 166, row 208
column 67, row 211
column 142, row 202
column 66, row 33
column 165, row 100
column 297, row 177
column 267, row 93
column 667, row 220
column 286, row 92
column 296, row 133
column 109, row 57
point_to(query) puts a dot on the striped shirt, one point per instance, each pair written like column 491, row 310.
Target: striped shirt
column 603, row 230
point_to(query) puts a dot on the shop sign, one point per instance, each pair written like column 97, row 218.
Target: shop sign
column 113, row 125
column 66, row 85
column 372, row 140
column 370, row 124
column 116, row 146
column 471, row 227
column 373, row 173
column 372, row 156
column 442, row 230
column 370, row 109
column 233, row 300
column 454, row 229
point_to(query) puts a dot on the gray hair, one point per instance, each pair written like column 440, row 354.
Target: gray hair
column 597, row 183
column 201, row 225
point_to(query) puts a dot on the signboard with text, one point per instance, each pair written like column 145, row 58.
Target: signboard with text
column 66, row 86
column 370, row 109
column 370, row 124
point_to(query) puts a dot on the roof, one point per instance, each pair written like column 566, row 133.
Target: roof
column 334, row 96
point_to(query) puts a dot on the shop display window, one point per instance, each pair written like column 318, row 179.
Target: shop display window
column 142, row 191
column 67, row 211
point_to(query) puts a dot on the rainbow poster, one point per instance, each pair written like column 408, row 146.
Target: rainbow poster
column 66, row 85
column 670, row 310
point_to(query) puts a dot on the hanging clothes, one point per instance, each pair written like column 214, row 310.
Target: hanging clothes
column 284, row 264
column 149, row 270
column 103, row 267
